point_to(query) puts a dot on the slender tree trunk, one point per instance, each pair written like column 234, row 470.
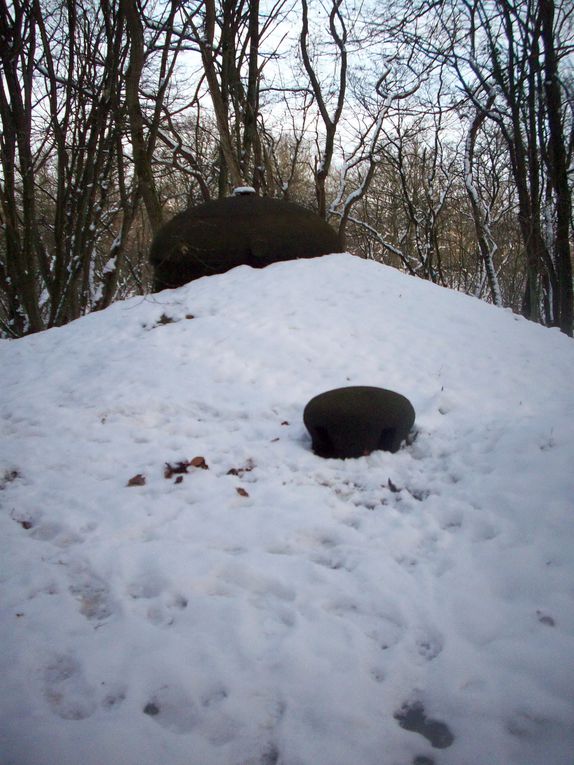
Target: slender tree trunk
column 206, row 43
column 142, row 159
column 486, row 243
column 18, row 44
column 558, row 171
column 251, row 144
column 323, row 163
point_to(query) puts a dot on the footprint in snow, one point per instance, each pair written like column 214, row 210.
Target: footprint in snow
column 269, row 756
column 412, row 717
column 429, row 645
column 163, row 613
column 171, row 708
column 255, row 583
column 334, row 560
column 146, row 587
column 214, row 695
column 56, row 533
column 160, row 606
column 115, row 696
column 67, row 691
column 92, row 593
column 384, row 630
column 216, row 724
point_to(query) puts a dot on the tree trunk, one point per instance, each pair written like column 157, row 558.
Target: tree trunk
column 558, row 171
column 142, row 160
column 206, row 43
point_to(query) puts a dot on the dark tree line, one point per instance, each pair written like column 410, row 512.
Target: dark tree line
column 435, row 137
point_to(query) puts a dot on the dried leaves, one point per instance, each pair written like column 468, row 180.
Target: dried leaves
column 169, row 471
column 247, row 468
column 137, row 480
column 182, row 467
column 179, row 469
column 166, row 319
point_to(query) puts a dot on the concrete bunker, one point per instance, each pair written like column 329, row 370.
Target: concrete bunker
column 240, row 230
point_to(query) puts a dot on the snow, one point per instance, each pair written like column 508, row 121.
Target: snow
column 181, row 621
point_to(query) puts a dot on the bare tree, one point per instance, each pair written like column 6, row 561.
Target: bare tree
column 506, row 56
column 71, row 184
column 481, row 212
column 352, row 103
column 61, row 148
column 228, row 35
column 557, row 162
column 18, row 41
column 424, row 168
column 330, row 119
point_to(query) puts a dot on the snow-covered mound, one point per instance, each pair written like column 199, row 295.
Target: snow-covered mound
column 262, row 605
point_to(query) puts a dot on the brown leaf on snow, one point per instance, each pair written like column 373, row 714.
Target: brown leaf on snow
column 137, row 480
column 247, row 468
column 241, row 491
column 199, row 462
column 181, row 467
column 170, row 470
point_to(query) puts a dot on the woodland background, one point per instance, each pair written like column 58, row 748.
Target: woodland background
column 435, row 136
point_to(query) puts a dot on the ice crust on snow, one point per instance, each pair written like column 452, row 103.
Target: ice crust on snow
column 179, row 620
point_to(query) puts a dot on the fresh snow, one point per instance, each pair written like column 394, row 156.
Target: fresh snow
column 277, row 608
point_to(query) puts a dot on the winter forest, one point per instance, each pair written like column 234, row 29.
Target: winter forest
column 435, row 137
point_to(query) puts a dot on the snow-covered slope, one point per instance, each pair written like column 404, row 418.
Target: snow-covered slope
column 278, row 608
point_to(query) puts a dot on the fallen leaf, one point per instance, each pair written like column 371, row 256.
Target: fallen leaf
column 137, row 480
column 241, row 491
column 247, row 468
column 181, row 467
column 170, row 470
